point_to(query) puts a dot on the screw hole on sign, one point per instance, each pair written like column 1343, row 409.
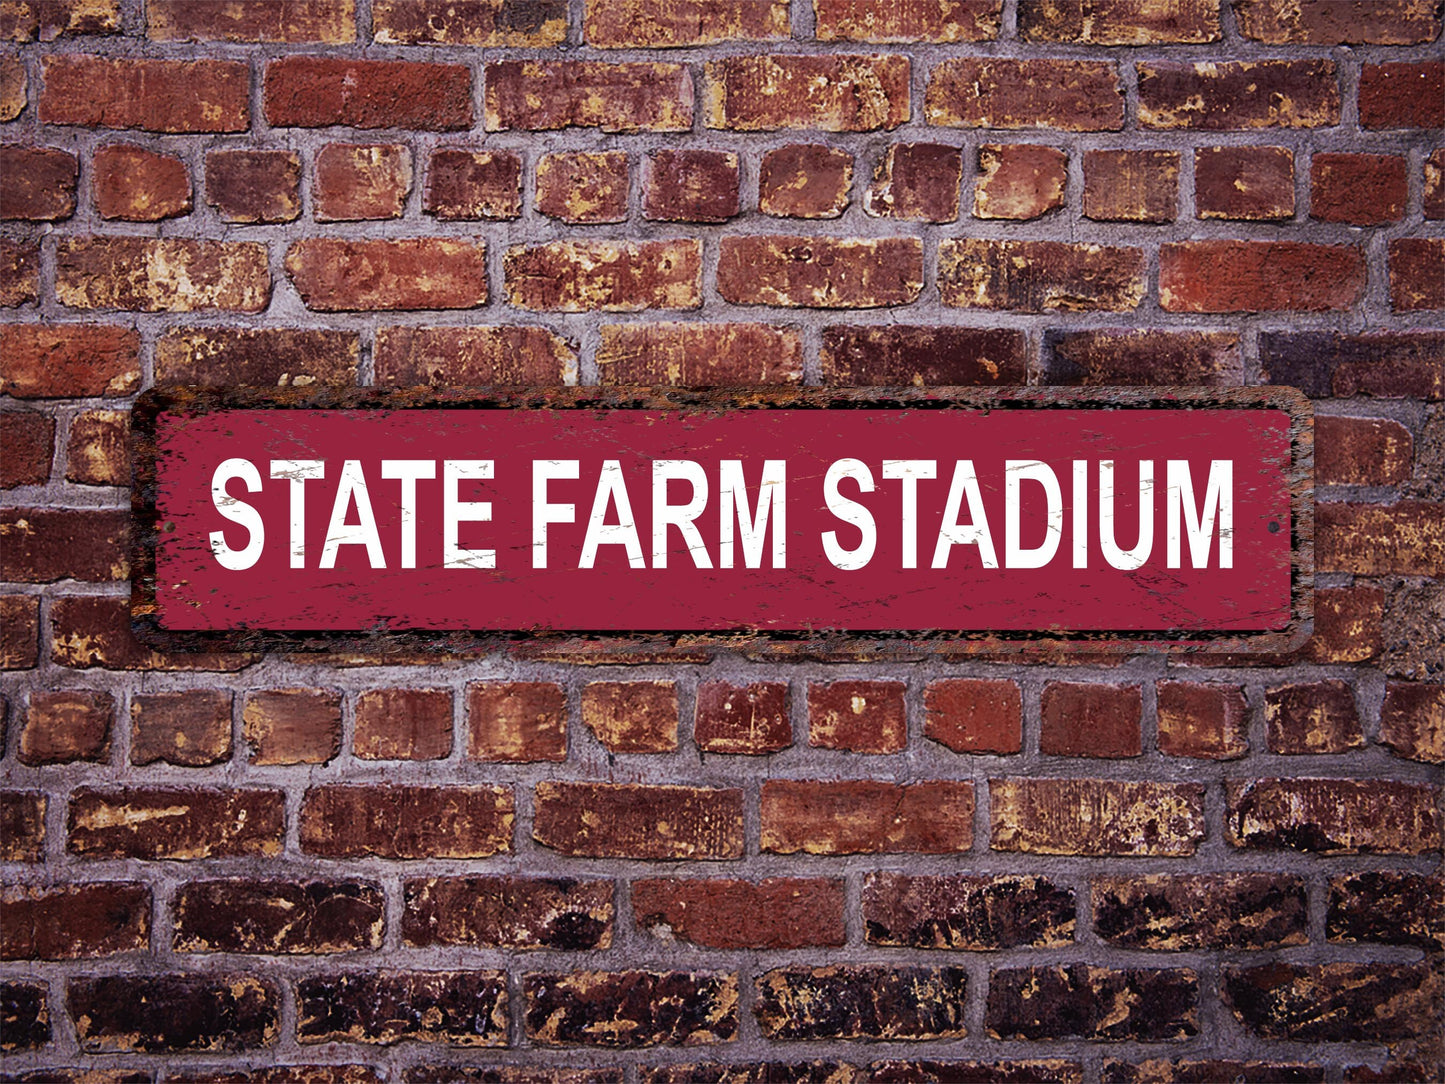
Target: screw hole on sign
column 1274, row 526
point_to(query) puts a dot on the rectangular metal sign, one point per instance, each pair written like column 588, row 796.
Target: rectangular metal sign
column 938, row 517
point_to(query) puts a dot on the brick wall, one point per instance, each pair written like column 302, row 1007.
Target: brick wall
column 508, row 868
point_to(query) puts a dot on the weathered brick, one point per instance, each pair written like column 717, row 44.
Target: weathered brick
column 175, row 823
column 403, row 724
column 632, row 716
column 406, row 356
column 916, row 181
column 1119, row 22
column 832, row 93
column 334, row 274
column 539, row 95
column 137, row 185
column 19, row 632
column 1312, row 718
column 1205, row 721
column 758, row 1072
column 1218, row 96
column 626, row 820
column 1249, row 183
column 1373, row 539
column 22, row 825
column 974, row 715
column 275, row 1074
column 98, row 451
column 39, row 183
column 1342, row 1002
column 1094, row 357
column 630, row 1009
column 1259, row 276
column 19, row 272
column 1347, row 624
column 942, row 22
column 24, row 1015
column 1417, row 273
column 292, row 726
column 1358, row 189
column 170, row 1013
column 27, row 439
column 1015, row 1071
column 778, row 913
column 973, row 913
column 1093, row 1003
column 805, row 180
column 583, row 188
column 1201, row 911
column 1208, row 1070
column 820, row 272
column 1003, row 92
column 518, row 721
column 44, row 545
column 1090, row 720
column 190, row 729
column 899, row 354
column 28, row 20
column 488, row 23
column 1096, row 817
column 269, row 356
column 858, row 716
column 699, row 354
column 510, row 1074
column 1413, row 630
column 162, row 275
column 1412, row 720
column 14, row 86
column 1433, row 197
column 1390, row 364
column 1131, row 185
column 356, row 181
column 1333, row 816
column 1403, row 95
column 690, row 186
column 866, row 817
column 330, row 23
column 459, row 1008
column 468, row 185
column 611, row 276
column 1019, row 180
column 876, row 1003
column 508, row 912
column 62, row 727
column 751, row 720
column 1391, row 907
column 278, row 917
column 404, row 822
column 254, row 186
column 648, row 24
column 319, row 91
column 73, row 922
column 94, row 630
column 1362, row 451
column 154, row 95
column 1393, row 1071
column 1039, row 276
column 1309, row 22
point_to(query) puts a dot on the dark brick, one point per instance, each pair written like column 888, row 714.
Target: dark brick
column 1407, row 537
column 700, row 354
column 1417, row 273
column 1118, row 22
column 405, row 822
column 862, row 1002
column 1131, row 185
column 507, row 1074
column 1433, row 199
column 1002, row 92
column 751, row 720
column 175, row 823
column 1215, row 96
column 542, row 95
column 511, row 23
column 1096, row 817
column 916, row 181
column 1358, row 189
column 45, row 545
column 159, row 1014
column 778, row 913
column 1312, row 718
column 137, row 185
column 622, row 820
column 1092, row 1003
column 632, row 716
column 254, row 185
column 1250, row 183
column 278, row 917
column 475, row 355
column 19, row 632
column 27, row 440
column 904, row 354
column 319, row 91
column 1259, row 276
column 691, row 186
column 1205, row 911
column 508, row 912
column 1347, row 624
column 72, row 922
column 1386, row 364
column 1039, row 276
column 94, row 630
column 974, row 716
column 1093, row 357
column 270, row 356
column 1090, row 720
column 1030, row 1071
column 1209, row 1071
column 975, row 913
column 1362, row 452
column 1412, row 720
column 1333, row 816
column 276, row 1074
column 468, row 185
column 858, row 716
column 155, row 95
column 1019, row 180
column 189, row 729
column 22, row 825
column 39, row 183
column 332, row 23
column 630, row 1009
column 403, row 724
column 1403, row 95
column 805, row 1072
column 866, row 817
column 820, row 272
column 516, row 721
column 292, row 726
column 831, row 93
column 63, row 727
column 1299, row 22
column 1344, row 1002
column 805, row 180
column 460, row 1008
column 98, row 451
column 1390, row 907
column 24, row 1015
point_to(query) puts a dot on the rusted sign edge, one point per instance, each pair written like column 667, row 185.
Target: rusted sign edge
column 834, row 645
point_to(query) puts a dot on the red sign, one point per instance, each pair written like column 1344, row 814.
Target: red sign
column 1151, row 516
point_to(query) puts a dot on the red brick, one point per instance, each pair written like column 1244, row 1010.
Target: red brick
column 357, row 181
column 1089, row 720
column 162, row 275
column 630, row 1009
column 94, row 630
column 649, row 24
column 699, row 354
column 778, row 913
column 1333, row 816
column 1407, row 538
column 899, row 354
column 136, row 185
column 1204, row 721
column 274, row 356
column 974, row 715
column 1096, row 817
column 1000, row 92
column 690, row 186
column 476, row 355
column 339, row 274
column 539, row 95
column 29, row 20
column 13, row 87
column 805, row 180
column 190, row 729
column 292, row 726
column 1362, row 451
column 1358, row 189
column 175, row 823
column 966, row 913
column 1019, row 180
column 629, row 820
column 1347, row 624
column 865, row 1002
column 917, row 181
column 942, row 22
column 508, row 912
column 403, row 724
column 1119, row 22
column 63, row 727
column 22, row 825
column 583, row 188
column 1215, row 96
column 98, row 451
column 254, row 186
column 1433, row 198
column 1259, row 276
column 487, row 23
column 632, row 716
column 319, row 91
column 74, row 922
column 1412, row 721
column 19, row 272
column 1249, row 183
column 39, row 183
column 859, row 716
column 832, row 93
column 154, row 95
column 517, row 721
column 1104, row 357
column 1312, row 718
column 332, row 22
column 1039, row 276
column 1403, row 95
column 164, row 1013
column 467, row 185
column 27, row 444
column 1313, row 22
column 611, row 276
column 342, row 821
column 866, row 817
column 19, row 633
column 820, row 272
column 1131, row 186
column 1417, row 273
column 43, row 545
column 278, row 917
column 751, row 720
